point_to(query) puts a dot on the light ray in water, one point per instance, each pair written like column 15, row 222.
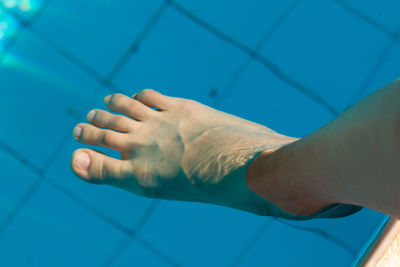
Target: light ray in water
column 25, row 6
column 8, row 27
column 42, row 73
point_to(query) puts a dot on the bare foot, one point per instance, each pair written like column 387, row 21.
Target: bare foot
column 184, row 150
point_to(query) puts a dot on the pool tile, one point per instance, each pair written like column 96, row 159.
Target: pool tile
column 259, row 96
column 96, row 31
column 286, row 244
column 138, row 254
column 329, row 55
column 15, row 180
column 244, row 21
column 197, row 234
column 385, row 13
column 185, row 62
column 388, row 72
column 41, row 93
column 51, row 230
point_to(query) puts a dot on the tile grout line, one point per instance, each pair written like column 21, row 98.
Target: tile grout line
column 251, row 242
column 356, row 13
column 137, row 42
column 146, row 244
column 129, row 232
column 372, row 72
column 124, row 244
column 40, row 173
column 79, row 63
column 278, row 72
column 240, row 70
column 119, row 248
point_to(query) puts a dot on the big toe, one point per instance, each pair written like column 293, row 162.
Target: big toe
column 96, row 167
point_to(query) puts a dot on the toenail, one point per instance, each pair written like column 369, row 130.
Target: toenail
column 82, row 160
column 107, row 99
column 77, row 132
column 91, row 115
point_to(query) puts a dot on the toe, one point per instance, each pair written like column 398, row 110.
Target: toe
column 152, row 98
column 91, row 135
column 96, row 167
column 105, row 119
column 128, row 106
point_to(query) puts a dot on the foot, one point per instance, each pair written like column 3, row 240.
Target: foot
column 181, row 150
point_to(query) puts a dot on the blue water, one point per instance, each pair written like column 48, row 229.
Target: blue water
column 291, row 65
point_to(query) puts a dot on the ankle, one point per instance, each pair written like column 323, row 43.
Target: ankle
column 279, row 176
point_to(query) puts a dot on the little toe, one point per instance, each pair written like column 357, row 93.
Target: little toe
column 128, row 106
column 91, row 135
column 105, row 119
column 154, row 99
column 96, row 167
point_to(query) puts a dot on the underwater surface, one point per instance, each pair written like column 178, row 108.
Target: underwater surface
column 290, row 65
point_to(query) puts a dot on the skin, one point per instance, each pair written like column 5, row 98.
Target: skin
column 183, row 150
column 187, row 151
column 354, row 159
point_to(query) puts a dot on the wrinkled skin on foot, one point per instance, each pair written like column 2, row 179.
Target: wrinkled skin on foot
column 183, row 150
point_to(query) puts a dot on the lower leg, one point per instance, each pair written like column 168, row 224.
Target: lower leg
column 354, row 160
